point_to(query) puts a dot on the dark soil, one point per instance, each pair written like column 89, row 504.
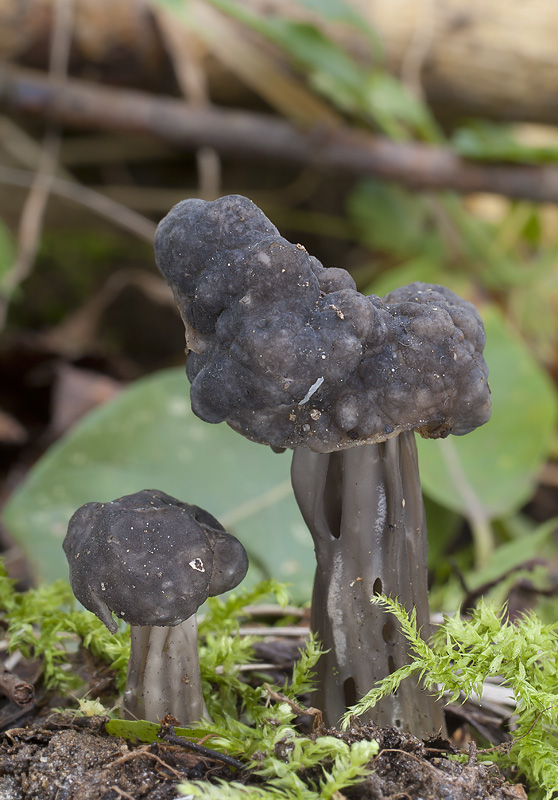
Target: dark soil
column 66, row 759
column 71, row 759
column 405, row 768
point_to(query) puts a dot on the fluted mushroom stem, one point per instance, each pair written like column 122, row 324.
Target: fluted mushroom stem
column 164, row 674
column 364, row 509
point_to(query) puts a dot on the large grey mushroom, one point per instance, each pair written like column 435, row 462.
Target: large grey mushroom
column 152, row 561
column 290, row 354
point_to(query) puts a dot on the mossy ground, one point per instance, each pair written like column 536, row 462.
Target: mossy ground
column 65, row 758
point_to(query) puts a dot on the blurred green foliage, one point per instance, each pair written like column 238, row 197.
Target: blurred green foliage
column 488, row 141
column 74, row 264
column 6, row 260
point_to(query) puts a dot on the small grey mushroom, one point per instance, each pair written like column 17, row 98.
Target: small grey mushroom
column 290, row 354
column 152, row 560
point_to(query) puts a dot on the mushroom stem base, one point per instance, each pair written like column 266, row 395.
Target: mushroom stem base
column 164, row 674
column 364, row 509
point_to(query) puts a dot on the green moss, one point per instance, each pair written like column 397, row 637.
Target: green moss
column 463, row 653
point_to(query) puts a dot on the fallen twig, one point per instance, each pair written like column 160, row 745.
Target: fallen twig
column 140, row 753
column 181, row 741
column 121, row 792
column 262, row 136
column 16, row 689
column 278, row 631
column 298, row 709
column 274, row 610
column 124, row 217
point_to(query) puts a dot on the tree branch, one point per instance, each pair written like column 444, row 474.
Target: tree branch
column 16, row 689
column 260, row 136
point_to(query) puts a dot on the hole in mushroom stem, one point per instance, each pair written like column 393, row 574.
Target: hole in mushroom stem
column 349, row 690
column 387, row 631
column 377, row 586
column 332, row 494
column 381, row 450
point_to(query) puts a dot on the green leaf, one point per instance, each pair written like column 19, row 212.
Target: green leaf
column 534, row 543
column 177, row 7
column 146, row 438
column 337, row 11
column 398, row 113
column 7, row 254
column 490, row 141
column 372, row 95
column 142, row 731
column 329, row 68
column 499, row 462
column 390, row 218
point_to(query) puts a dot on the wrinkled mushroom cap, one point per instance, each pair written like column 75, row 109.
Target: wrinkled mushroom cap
column 290, row 353
column 149, row 558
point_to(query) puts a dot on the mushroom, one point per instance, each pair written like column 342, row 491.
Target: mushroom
column 153, row 560
column 290, row 354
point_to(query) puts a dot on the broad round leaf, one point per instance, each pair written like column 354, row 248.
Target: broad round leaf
column 496, row 466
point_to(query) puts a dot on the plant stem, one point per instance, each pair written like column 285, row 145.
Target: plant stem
column 164, row 674
column 364, row 509
column 473, row 508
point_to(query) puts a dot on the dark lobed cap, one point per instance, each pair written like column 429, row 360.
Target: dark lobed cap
column 149, row 558
column 289, row 353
